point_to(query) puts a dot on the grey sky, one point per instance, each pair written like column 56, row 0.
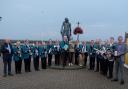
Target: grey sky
column 42, row 19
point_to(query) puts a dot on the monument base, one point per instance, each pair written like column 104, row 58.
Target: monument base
column 73, row 67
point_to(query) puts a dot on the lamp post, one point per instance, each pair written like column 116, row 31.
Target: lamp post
column 78, row 30
column 0, row 18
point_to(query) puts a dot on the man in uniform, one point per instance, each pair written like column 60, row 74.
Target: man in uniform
column 98, row 55
column 84, row 52
column 77, row 52
column 64, row 48
column 43, row 55
column 111, row 47
column 121, row 49
column 103, row 61
column 92, row 55
column 17, row 56
column 7, row 52
column 57, row 53
column 27, row 53
column 36, row 56
column 50, row 52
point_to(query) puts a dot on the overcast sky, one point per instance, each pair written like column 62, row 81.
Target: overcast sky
column 42, row 19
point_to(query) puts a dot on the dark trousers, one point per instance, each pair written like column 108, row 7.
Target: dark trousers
column 57, row 59
column 104, row 66
column 27, row 63
column 18, row 65
column 101, row 65
column 85, row 58
column 110, row 68
column 70, row 57
column 7, row 63
column 92, row 62
column 49, row 60
column 36, row 63
column 98, row 63
column 65, row 58
column 43, row 63
column 77, row 58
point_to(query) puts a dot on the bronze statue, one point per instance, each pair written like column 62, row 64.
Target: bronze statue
column 66, row 29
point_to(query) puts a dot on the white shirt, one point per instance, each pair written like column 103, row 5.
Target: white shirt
column 9, row 48
column 84, row 49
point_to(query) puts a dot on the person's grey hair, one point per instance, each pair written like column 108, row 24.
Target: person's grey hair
column 112, row 38
column 120, row 37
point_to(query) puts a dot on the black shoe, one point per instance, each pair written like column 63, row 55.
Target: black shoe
column 122, row 82
column 19, row 72
column 89, row 69
column 29, row 71
column 5, row 75
column 10, row 74
column 84, row 65
column 16, row 72
column 104, row 74
column 26, row 71
column 109, row 77
column 37, row 70
column 97, row 71
column 114, row 80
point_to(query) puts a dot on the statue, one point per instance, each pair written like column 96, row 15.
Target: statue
column 66, row 29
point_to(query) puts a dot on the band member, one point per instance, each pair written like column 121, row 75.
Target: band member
column 57, row 53
column 43, row 55
column 50, row 52
column 81, row 57
column 98, row 55
column 103, row 61
column 64, row 49
column 119, row 61
column 7, row 52
column 111, row 47
column 77, row 52
column 71, row 52
column 17, row 56
column 84, row 52
column 36, row 56
column 92, row 55
column 27, row 53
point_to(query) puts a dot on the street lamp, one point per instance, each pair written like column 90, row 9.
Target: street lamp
column 0, row 18
column 78, row 30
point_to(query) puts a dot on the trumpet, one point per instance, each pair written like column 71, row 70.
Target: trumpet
column 100, row 51
column 30, row 52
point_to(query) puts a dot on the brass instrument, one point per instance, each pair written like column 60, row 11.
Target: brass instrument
column 19, row 51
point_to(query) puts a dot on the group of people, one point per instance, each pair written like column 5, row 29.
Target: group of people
column 106, row 56
column 102, row 55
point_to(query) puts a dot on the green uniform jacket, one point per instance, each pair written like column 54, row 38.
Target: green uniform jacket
column 17, row 56
column 26, row 52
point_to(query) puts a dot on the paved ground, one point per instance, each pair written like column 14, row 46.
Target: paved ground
column 59, row 79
